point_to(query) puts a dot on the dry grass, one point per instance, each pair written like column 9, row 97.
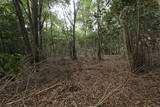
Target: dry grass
column 62, row 82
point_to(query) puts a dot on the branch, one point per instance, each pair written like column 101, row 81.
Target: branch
column 27, row 13
column 42, row 91
column 67, row 15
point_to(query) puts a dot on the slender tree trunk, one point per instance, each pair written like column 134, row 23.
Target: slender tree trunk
column 74, row 53
column 127, row 50
column 98, row 32
column 41, row 22
column 22, row 26
column 35, row 29
column 40, row 41
column 74, row 57
column 85, row 44
column 1, row 43
column 139, row 59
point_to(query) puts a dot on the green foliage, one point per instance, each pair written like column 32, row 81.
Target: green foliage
column 10, row 63
column 57, row 33
column 109, row 16
column 10, row 38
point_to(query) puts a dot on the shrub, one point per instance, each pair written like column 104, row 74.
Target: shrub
column 9, row 63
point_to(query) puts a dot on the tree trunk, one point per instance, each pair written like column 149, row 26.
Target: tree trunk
column 74, row 53
column 41, row 22
column 35, row 29
column 98, row 32
column 22, row 26
column 2, row 50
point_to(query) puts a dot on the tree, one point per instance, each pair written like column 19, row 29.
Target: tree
column 35, row 25
column 72, row 18
column 10, row 38
column 134, row 28
column 74, row 31
column 98, row 31
column 22, row 26
column 99, row 15
column 34, row 11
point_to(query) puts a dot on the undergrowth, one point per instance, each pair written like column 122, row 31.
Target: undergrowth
column 9, row 63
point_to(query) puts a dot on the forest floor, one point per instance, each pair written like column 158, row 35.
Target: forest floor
column 61, row 82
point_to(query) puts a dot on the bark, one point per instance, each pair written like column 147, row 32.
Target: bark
column 41, row 22
column 2, row 50
column 139, row 59
column 98, row 32
column 136, row 49
column 22, row 26
column 74, row 53
column 34, row 4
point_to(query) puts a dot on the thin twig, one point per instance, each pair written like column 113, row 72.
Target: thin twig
column 34, row 94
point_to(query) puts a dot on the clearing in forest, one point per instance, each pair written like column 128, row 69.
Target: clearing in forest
column 62, row 82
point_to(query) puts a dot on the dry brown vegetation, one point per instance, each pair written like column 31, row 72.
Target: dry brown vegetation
column 61, row 82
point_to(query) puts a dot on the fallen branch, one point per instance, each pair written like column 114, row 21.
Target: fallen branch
column 106, row 96
column 34, row 94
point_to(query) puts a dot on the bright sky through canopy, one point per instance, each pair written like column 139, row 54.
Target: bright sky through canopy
column 60, row 10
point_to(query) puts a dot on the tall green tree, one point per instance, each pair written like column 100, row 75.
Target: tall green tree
column 133, row 15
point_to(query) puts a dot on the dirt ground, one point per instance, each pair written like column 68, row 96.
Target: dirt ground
column 61, row 82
